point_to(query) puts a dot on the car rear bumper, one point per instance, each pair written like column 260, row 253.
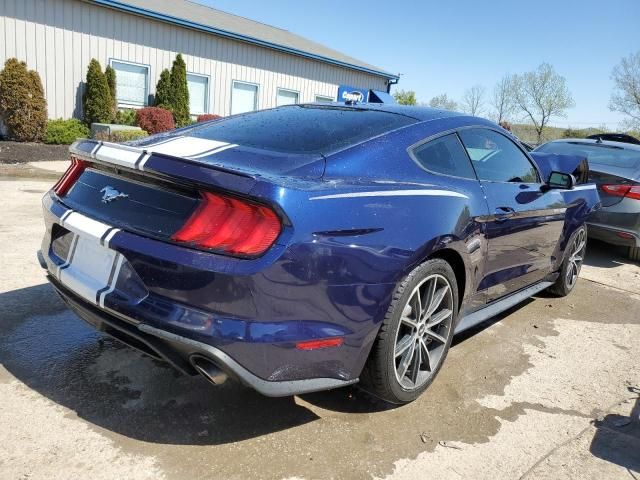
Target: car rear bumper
column 614, row 235
column 179, row 350
column 247, row 316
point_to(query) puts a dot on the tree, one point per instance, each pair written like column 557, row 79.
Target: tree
column 541, row 95
column 180, row 92
column 110, row 73
column 626, row 94
column 443, row 102
column 163, row 90
column 502, row 99
column 473, row 100
column 23, row 108
column 96, row 100
column 405, row 97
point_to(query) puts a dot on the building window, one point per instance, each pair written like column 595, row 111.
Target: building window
column 132, row 83
column 198, row 93
column 244, row 97
column 324, row 99
column 286, row 97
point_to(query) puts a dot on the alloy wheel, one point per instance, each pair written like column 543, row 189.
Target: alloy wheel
column 575, row 258
column 423, row 331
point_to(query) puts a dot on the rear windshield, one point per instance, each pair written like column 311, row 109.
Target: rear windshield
column 598, row 154
column 303, row 128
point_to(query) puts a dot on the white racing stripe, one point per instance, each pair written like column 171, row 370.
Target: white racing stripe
column 188, row 147
column 137, row 157
column 114, row 280
column 78, row 223
column 119, row 154
column 393, row 193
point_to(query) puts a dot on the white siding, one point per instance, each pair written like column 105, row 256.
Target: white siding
column 58, row 38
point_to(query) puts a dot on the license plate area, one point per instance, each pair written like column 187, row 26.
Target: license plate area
column 90, row 267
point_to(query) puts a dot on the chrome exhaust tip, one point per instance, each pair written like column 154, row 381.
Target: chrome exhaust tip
column 208, row 370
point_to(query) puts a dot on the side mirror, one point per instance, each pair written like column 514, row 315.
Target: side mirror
column 559, row 180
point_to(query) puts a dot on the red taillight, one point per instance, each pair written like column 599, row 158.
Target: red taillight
column 316, row 344
column 230, row 225
column 70, row 176
column 627, row 191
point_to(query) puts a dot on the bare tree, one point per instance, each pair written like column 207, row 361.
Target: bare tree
column 444, row 102
column 541, row 95
column 473, row 100
column 502, row 99
column 626, row 94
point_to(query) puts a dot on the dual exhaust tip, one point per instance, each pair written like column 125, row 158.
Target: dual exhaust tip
column 208, row 370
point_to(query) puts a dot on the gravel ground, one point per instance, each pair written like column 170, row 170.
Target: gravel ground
column 548, row 390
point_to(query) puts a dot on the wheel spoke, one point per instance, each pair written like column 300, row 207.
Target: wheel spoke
column 428, row 298
column 439, row 317
column 437, row 300
column 405, row 361
column 403, row 344
column 432, row 334
column 408, row 321
column 423, row 346
column 417, row 307
column 417, row 361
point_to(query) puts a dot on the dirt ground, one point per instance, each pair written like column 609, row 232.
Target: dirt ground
column 548, row 390
column 24, row 152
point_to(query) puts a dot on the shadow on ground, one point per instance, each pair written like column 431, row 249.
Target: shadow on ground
column 604, row 255
column 53, row 352
column 617, row 438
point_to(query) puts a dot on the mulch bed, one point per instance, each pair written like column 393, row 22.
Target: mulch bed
column 18, row 152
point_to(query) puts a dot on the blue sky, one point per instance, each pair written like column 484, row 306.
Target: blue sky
column 448, row 46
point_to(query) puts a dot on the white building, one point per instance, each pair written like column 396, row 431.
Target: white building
column 234, row 64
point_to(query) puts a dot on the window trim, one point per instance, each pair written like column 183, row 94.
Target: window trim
column 147, row 86
column 519, row 147
column 280, row 89
column 412, row 153
column 257, row 101
column 315, row 98
column 208, row 93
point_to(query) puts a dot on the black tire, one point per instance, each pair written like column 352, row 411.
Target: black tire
column 380, row 375
column 634, row 253
column 570, row 269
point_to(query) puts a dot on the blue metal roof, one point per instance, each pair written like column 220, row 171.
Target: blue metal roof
column 200, row 17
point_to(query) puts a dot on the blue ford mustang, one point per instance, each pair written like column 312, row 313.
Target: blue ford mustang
column 310, row 247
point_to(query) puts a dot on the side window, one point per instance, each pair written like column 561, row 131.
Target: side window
column 496, row 158
column 444, row 155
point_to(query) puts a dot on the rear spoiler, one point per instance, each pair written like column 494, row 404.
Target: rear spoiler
column 151, row 159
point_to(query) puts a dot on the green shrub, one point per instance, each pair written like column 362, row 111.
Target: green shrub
column 126, row 117
column 163, row 90
column 65, row 132
column 110, row 73
column 96, row 100
column 180, row 92
column 128, row 135
column 23, row 107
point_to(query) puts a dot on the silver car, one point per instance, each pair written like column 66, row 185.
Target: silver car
column 615, row 168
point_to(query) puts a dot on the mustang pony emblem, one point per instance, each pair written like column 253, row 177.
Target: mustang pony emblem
column 111, row 194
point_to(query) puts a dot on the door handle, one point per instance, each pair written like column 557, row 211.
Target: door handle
column 504, row 213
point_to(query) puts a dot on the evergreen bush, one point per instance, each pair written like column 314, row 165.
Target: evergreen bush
column 180, row 92
column 110, row 73
column 23, row 108
column 163, row 90
column 96, row 100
